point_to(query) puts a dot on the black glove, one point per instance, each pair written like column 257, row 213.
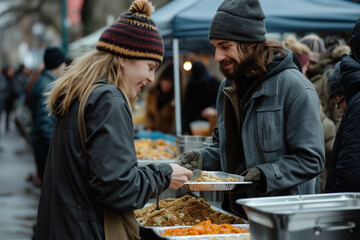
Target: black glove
column 252, row 174
column 191, row 160
column 256, row 176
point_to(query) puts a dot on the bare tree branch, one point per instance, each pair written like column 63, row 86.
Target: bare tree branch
column 25, row 9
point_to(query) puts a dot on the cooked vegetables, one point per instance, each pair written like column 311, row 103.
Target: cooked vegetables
column 155, row 149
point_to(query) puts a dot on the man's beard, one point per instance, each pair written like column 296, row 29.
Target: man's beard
column 239, row 70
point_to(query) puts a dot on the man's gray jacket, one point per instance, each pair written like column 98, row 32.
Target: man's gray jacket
column 281, row 132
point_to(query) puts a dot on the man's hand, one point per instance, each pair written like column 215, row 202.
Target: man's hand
column 191, row 160
column 252, row 174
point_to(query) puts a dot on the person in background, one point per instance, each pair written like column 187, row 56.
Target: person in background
column 21, row 79
column 3, row 94
column 300, row 50
column 92, row 182
column 8, row 73
column 316, row 46
column 268, row 125
column 42, row 124
column 159, row 103
column 201, row 92
column 336, row 91
column 22, row 116
column 322, row 62
column 344, row 174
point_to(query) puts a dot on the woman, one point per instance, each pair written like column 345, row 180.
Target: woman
column 160, row 107
column 91, row 187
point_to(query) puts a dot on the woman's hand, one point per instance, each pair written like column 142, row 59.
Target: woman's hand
column 179, row 176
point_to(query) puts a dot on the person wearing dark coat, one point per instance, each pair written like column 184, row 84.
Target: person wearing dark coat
column 42, row 124
column 92, row 183
column 344, row 169
column 159, row 105
column 8, row 73
column 201, row 92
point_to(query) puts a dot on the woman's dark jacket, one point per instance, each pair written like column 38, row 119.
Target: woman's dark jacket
column 344, row 169
column 76, row 189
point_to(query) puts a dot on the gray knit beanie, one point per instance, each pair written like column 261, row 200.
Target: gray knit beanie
column 239, row 20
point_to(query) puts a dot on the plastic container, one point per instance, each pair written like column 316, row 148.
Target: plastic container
column 200, row 128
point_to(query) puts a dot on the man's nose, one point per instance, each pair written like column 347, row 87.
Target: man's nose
column 219, row 56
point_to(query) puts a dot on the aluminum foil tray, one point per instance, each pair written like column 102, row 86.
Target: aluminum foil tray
column 236, row 236
column 213, row 207
column 143, row 162
column 218, row 186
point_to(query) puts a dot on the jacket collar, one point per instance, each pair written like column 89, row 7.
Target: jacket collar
column 269, row 87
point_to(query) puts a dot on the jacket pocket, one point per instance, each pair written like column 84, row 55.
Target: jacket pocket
column 269, row 125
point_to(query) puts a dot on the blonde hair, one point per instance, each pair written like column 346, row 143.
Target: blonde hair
column 77, row 81
column 297, row 47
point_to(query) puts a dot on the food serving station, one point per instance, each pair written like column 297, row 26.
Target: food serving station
column 318, row 216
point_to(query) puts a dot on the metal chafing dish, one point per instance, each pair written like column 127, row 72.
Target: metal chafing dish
column 299, row 217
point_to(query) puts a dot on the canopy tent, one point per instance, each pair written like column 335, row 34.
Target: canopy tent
column 184, row 19
column 184, row 25
column 191, row 18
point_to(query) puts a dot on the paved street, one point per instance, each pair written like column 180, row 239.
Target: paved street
column 18, row 197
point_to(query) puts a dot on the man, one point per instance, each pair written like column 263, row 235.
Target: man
column 42, row 123
column 268, row 125
column 344, row 174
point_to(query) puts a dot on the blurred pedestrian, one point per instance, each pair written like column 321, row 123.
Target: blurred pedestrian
column 8, row 73
column 336, row 90
column 316, row 45
column 21, row 79
column 159, row 103
column 92, row 182
column 322, row 62
column 22, row 114
column 268, row 124
column 201, row 92
column 3, row 94
column 301, row 52
column 344, row 174
column 43, row 123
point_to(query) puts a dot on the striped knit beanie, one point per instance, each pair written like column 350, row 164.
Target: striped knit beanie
column 134, row 35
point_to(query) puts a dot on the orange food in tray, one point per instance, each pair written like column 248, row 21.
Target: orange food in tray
column 155, row 149
column 204, row 227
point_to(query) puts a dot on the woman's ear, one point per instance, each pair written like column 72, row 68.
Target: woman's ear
column 122, row 61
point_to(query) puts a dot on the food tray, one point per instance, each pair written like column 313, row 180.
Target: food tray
column 144, row 162
column 217, row 186
column 213, row 207
column 238, row 236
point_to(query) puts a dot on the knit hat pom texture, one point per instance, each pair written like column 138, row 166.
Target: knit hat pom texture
column 134, row 35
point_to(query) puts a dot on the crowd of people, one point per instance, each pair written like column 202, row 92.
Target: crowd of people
column 287, row 117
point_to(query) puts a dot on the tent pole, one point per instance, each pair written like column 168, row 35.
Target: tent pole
column 177, row 87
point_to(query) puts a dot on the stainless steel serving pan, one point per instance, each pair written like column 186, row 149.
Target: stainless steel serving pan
column 318, row 216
